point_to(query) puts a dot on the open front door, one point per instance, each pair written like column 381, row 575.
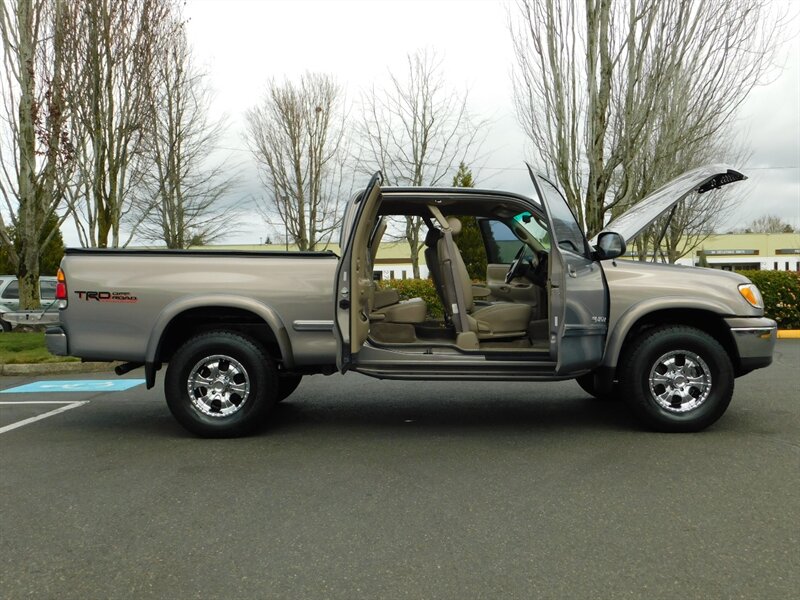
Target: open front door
column 353, row 289
column 578, row 297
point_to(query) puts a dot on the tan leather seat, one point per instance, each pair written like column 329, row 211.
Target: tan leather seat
column 388, row 307
column 497, row 320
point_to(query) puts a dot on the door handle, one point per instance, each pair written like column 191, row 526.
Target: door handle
column 571, row 271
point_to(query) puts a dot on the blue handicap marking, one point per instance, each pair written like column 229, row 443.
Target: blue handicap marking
column 85, row 385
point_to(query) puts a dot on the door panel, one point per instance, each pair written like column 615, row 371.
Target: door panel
column 353, row 288
column 578, row 308
column 519, row 290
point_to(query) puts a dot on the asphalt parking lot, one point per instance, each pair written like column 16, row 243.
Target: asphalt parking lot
column 370, row 489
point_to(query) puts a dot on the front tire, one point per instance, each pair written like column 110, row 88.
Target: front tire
column 677, row 379
column 221, row 384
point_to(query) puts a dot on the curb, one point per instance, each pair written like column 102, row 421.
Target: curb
column 58, row 368
column 789, row 334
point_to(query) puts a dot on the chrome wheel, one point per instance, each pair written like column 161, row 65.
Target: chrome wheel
column 680, row 381
column 218, row 386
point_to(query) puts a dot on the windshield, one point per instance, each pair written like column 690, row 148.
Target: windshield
column 536, row 228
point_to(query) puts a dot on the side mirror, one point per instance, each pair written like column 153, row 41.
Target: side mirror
column 610, row 244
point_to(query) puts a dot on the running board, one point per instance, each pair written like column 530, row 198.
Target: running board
column 456, row 372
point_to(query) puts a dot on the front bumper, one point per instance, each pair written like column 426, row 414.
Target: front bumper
column 56, row 341
column 755, row 341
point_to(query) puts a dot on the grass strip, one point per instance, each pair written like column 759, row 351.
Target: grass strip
column 26, row 348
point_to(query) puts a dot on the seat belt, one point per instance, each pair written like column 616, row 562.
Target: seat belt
column 459, row 309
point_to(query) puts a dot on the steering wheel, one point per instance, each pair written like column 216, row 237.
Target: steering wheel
column 518, row 266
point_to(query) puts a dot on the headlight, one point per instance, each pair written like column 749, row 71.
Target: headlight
column 750, row 293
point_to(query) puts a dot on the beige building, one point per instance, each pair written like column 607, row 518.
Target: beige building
column 393, row 260
column 760, row 251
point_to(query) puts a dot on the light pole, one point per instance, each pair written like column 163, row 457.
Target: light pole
column 286, row 224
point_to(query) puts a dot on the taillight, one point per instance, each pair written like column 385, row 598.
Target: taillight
column 61, row 289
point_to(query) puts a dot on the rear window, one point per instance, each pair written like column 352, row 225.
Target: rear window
column 47, row 289
column 12, row 291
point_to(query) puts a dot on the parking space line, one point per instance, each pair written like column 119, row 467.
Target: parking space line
column 30, row 420
column 41, row 402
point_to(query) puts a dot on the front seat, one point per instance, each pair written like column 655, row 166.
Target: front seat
column 497, row 320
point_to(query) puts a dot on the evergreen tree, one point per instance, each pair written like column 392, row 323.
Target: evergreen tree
column 50, row 256
column 470, row 240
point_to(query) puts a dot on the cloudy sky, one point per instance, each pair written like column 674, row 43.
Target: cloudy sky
column 242, row 44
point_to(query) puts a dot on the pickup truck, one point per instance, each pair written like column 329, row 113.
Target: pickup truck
column 239, row 330
column 11, row 315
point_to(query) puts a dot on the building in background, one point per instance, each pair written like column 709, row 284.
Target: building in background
column 757, row 251
column 393, row 260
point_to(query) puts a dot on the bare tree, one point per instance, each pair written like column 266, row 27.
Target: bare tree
column 693, row 220
column 417, row 130
column 684, row 228
column 296, row 135
column 184, row 205
column 113, row 44
column 607, row 88
column 769, row 224
column 36, row 153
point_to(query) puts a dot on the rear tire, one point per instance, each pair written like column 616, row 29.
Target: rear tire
column 221, row 384
column 677, row 379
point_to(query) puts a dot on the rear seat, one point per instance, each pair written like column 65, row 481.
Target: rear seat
column 387, row 307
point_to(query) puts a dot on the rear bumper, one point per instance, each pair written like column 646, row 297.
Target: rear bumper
column 56, row 340
column 32, row 317
column 755, row 341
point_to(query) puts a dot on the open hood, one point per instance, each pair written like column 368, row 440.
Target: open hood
column 709, row 177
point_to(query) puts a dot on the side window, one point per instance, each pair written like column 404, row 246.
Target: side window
column 47, row 289
column 501, row 243
column 12, row 291
column 569, row 235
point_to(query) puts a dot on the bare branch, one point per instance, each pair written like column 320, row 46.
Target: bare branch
column 417, row 131
column 646, row 93
column 297, row 136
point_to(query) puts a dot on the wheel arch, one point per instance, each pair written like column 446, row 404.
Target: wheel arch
column 186, row 317
column 705, row 316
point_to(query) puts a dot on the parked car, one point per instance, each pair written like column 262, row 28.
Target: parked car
column 9, row 297
column 240, row 329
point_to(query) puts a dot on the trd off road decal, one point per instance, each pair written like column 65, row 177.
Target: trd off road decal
column 124, row 297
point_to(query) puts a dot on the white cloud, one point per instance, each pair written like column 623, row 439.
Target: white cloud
column 244, row 43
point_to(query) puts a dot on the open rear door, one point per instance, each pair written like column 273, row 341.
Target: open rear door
column 353, row 284
column 578, row 297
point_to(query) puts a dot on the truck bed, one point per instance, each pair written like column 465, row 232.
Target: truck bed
column 120, row 301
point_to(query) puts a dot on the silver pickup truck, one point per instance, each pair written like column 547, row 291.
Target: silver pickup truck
column 240, row 329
